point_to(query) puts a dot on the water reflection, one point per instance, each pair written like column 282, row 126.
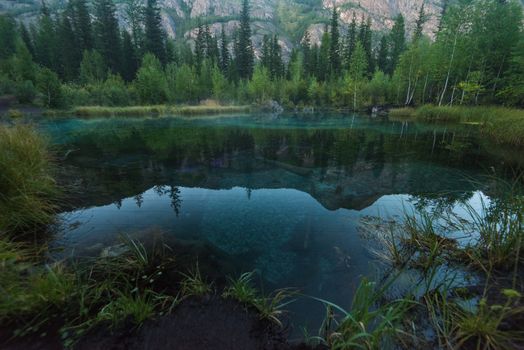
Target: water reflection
column 283, row 197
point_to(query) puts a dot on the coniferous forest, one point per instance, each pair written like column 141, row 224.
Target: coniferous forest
column 80, row 56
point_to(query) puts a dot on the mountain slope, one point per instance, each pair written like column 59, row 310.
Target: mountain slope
column 288, row 18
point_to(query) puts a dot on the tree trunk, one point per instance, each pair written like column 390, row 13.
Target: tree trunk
column 449, row 69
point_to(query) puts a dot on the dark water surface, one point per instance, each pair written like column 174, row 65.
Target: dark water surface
column 282, row 196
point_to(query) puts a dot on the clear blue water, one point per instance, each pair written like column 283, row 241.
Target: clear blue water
column 281, row 196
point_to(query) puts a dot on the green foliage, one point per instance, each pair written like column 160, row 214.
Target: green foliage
column 369, row 324
column 92, row 68
column 194, row 284
column 150, row 81
column 260, row 85
column 50, row 87
column 25, row 92
column 154, row 36
column 28, row 189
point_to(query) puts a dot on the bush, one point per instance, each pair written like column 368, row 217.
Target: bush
column 25, row 92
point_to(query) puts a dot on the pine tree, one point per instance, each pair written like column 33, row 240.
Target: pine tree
column 224, row 52
column 419, row 24
column 154, row 34
column 107, row 33
column 334, row 48
column 398, row 42
column 244, row 54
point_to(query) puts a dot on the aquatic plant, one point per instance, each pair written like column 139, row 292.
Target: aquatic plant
column 28, row 192
column 369, row 324
column 483, row 327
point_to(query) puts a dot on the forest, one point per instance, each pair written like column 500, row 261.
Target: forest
column 80, row 56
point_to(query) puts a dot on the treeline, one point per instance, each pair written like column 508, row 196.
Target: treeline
column 81, row 56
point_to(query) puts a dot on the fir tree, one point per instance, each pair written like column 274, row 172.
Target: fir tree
column 244, row 59
column 154, row 41
column 334, row 48
column 306, row 52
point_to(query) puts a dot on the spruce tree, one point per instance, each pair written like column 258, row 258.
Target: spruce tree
column 334, row 48
column 323, row 56
column 200, row 48
column 82, row 25
column 419, row 24
column 245, row 58
column 107, row 34
column 45, row 40
column 383, row 54
column 154, row 34
column 224, row 52
column 306, row 52
column 26, row 38
column 398, row 42
column 351, row 39
column 135, row 12
column 70, row 54
column 130, row 58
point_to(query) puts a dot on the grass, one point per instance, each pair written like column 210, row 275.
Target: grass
column 500, row 124
column 269, row 307
column 28, row 192
column 99, row 111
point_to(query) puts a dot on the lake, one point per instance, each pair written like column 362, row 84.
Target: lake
column 283, row 196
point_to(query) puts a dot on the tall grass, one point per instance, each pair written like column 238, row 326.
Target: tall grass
column 100, row 111
column 502, row 125
column 28, row 191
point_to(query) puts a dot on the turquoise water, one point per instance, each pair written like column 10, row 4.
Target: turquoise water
column 282, row 196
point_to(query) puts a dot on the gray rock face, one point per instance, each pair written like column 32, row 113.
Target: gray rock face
column 288, row 18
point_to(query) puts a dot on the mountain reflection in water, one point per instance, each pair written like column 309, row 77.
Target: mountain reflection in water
column 280, row 196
